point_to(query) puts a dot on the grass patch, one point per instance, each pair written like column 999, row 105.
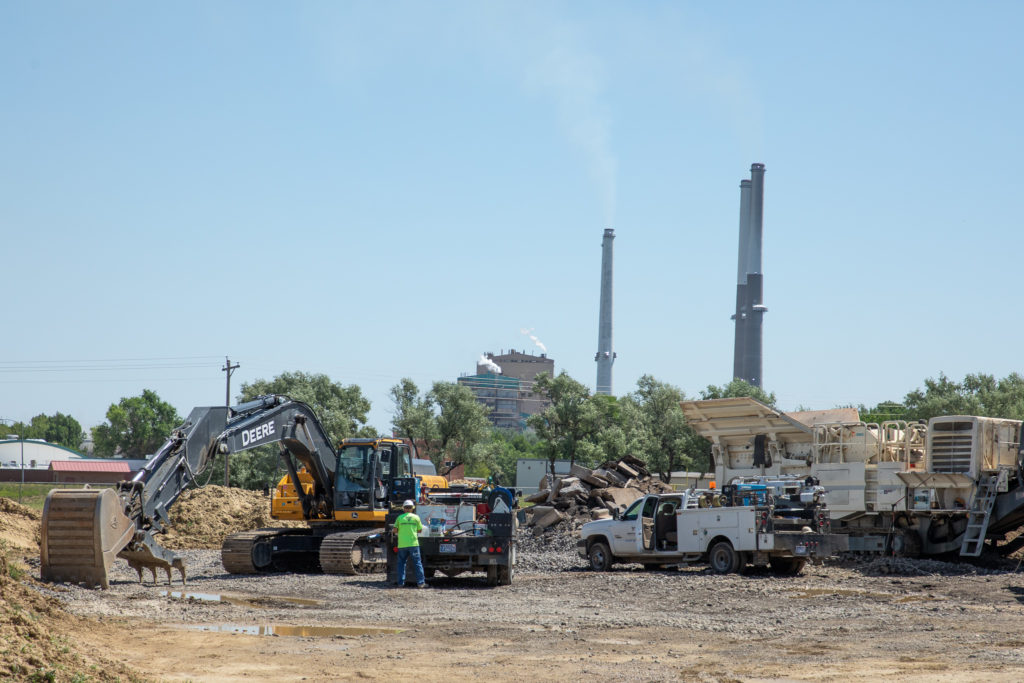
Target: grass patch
column 12, row 562
column 33, row 495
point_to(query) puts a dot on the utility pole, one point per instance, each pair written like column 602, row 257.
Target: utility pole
column 230, row 370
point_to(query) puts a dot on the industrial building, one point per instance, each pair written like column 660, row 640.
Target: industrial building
column 504, row 383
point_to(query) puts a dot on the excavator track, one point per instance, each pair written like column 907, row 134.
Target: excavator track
column 248, row 552
column 352, row 552
column 81, row 535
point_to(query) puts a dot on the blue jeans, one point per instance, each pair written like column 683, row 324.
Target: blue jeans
column 410, row 554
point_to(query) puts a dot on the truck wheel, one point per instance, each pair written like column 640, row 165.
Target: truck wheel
column 600, row 557
column 787, row 566
column 723, row 559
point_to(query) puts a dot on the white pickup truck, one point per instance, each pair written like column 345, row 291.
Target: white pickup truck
column 671, row 529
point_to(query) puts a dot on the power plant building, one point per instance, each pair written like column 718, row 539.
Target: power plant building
column 504, row 383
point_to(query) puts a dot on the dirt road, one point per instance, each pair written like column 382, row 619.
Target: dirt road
column 830, row 624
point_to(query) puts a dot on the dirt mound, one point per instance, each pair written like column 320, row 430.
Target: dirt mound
column 203, row 517
column 19, row 526
column 37, row 637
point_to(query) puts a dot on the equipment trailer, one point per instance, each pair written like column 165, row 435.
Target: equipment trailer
column 905, row 489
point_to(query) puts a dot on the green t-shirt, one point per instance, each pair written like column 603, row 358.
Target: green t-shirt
column 408, row 525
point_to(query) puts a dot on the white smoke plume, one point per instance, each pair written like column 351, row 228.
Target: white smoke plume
column 574, row 78
column 533, row 338
column 489, row 364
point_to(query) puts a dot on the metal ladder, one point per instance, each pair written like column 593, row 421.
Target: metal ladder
column 978, row 516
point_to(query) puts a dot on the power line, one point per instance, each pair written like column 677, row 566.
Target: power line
column 110, row 360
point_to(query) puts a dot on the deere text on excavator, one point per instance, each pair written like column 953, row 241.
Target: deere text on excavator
column 344, row 495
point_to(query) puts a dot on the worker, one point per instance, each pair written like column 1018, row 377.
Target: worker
column 408, row 526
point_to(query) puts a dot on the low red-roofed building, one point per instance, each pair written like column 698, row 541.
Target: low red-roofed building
column 90, row 471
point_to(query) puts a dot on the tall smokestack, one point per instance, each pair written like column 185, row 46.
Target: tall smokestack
column 741, row 316
column 752, row 355
column 605, row 355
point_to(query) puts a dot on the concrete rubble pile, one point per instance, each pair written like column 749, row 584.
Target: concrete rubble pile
column 565, row 503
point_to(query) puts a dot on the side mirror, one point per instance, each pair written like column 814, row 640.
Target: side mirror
column 616, row 514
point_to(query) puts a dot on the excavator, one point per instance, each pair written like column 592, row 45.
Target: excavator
column 344, row 495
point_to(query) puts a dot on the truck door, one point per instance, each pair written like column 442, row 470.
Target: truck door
column 624, row 531
column 647, row 523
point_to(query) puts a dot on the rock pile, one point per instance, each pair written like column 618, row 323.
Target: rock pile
column 568, row 502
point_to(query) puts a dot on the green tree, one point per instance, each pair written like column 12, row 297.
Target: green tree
column 498, row 456
column 977, row 394
column 563, row 425
column 461, row 423
column 58, row 428
column 414, row 417
column 341, row 410
column 136, row 426
column 886, row 410
column 668, row 443
column 447, row 424
column 737, row 389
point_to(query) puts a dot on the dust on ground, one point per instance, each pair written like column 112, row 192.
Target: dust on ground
column 203, row 517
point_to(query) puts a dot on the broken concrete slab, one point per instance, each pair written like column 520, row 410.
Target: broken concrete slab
column 612, row 476
column 549, row 518
column 539, row 497
column 627, row 470
column 621, row 497
column 539, row 510
column 576, row 489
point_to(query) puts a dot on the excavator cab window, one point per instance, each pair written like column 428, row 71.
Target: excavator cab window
column 355, row 476
column 403, row 462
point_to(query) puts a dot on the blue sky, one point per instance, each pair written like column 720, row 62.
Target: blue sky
column 381, row 190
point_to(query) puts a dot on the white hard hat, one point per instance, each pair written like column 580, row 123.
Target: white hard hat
column 409, row 504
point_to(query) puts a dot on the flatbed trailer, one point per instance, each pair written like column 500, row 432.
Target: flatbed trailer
column 464, row 532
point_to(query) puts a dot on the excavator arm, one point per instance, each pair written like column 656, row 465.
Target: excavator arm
column 83, row 531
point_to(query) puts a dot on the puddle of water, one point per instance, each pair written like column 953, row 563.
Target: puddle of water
column 240, row 600
column 299, row 631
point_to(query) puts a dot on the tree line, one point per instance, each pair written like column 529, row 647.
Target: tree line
column 448, row 425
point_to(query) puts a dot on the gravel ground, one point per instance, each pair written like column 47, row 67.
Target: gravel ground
column 911, row 620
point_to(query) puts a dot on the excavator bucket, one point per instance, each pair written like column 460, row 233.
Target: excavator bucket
column 82, row 532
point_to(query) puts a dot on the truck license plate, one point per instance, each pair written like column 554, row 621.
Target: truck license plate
column 800, row 550
column 446, row 547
